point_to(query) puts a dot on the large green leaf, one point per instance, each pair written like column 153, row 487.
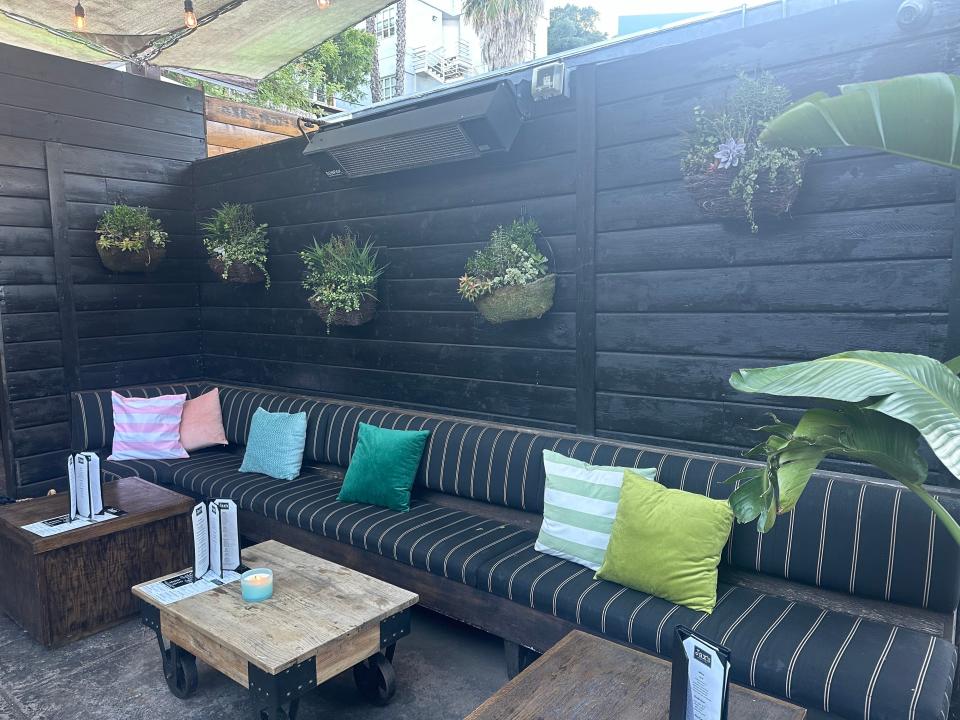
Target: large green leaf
column 914, row 389
column 917, row 116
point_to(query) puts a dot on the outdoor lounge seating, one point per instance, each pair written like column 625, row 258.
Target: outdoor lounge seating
column 466, row 547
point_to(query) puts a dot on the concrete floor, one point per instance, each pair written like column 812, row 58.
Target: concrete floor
column 444, row 670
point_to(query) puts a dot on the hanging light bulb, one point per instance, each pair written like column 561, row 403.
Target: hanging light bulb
column 189, row 16
column 79, row 18
column 323, row 4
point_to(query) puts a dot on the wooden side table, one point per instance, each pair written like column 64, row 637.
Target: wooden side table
column 323, row 619
column 584, row 676
column 64, row 587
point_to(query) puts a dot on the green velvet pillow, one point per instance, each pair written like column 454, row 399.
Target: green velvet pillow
column 667, row 542
column 383, row 467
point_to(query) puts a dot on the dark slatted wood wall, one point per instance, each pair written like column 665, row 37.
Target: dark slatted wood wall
column 74, row 139
column 678, row 301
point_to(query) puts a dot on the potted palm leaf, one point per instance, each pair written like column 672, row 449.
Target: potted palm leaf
column 130, row 240
column 341, row 277
column 237, row 245
column 731, row 173
column 508, row 279
column 881, row 403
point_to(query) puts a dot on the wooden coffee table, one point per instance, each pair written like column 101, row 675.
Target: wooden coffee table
column 322, row 619
column 584, row 676
column 66, row 586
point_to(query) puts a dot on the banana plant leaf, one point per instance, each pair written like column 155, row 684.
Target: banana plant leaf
column 913, row 389
column 794, row 453
column 917, row 116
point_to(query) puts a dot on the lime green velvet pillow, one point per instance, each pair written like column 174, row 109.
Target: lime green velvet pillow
column 667, row 542
column 383, row 467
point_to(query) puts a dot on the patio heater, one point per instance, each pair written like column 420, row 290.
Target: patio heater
column 462, row 128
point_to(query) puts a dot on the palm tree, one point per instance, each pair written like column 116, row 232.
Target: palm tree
column 506, row 29
column 376, row 89
column 401, row 46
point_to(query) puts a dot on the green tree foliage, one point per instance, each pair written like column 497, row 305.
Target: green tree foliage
column 339, row 68
column 572, row 26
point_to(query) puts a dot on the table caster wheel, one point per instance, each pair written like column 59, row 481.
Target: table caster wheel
column 376, row 679
column 180, row 672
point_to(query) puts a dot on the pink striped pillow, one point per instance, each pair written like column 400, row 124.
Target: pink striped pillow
column 147, row 428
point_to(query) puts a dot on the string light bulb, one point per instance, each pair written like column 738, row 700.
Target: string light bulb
column 323, row 4
column 79, row 18
column 189, row 16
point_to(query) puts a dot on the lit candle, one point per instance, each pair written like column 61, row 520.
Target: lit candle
column 256, row 585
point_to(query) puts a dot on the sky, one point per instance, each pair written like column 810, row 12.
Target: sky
column 610, row 10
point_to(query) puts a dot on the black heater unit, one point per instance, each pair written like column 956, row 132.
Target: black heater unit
column 459, row 129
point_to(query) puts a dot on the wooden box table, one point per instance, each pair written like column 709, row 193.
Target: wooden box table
column 584, row 676
column 322, row 619
column 63, row 587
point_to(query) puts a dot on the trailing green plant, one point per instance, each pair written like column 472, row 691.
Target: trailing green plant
column 341, row 274
column 234, row 237
column 129, row 229
column 510, row 258
column 917, row 116
column 881, row 404
column 725, row 145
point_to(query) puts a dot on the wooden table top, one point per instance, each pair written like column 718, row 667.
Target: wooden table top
column 584, row 676
column 316, row 604
column 142, row 501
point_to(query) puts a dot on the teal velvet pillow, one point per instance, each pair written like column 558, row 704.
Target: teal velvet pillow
column 275, row 444
column 383, row 467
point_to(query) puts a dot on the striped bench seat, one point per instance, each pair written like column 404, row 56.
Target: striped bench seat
column 478, row 498
column 440, row 540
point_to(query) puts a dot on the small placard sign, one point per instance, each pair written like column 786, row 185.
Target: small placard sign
column 700, row 682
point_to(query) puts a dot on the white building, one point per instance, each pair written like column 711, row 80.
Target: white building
column 441, row 47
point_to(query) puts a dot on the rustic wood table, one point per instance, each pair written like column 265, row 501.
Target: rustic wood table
column 584, row 676
column 63, row 587
column 322, row 619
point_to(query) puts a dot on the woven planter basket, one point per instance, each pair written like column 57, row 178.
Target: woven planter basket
column 238, row 273
column 126, row 261
column 712, row 193
column 368, row 308
column 518, row 302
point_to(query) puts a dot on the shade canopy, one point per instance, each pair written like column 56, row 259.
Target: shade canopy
column 248, row 38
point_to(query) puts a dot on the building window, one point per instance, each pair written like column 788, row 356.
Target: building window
column 388, row 86
column 386, row 22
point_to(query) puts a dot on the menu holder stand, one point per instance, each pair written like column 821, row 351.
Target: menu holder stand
column 700, row 680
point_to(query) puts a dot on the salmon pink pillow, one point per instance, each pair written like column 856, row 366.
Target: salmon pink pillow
column 147, row 428
column 202, row 424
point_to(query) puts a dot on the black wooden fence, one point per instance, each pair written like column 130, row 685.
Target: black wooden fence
column 655, row 304
column 73, row 139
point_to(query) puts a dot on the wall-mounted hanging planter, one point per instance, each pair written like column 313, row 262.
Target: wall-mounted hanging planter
column 237, row 245
column 508, row 279
column 730, row 173
column 129, row 240
column 341, row 277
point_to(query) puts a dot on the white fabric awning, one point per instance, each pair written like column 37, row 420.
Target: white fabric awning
column 249, row 38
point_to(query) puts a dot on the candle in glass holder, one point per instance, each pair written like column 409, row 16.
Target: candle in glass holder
column 257, row 585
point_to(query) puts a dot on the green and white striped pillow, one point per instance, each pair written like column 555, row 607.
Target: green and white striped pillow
column 579, row 505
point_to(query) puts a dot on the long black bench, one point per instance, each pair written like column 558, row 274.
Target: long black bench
column 846, row 607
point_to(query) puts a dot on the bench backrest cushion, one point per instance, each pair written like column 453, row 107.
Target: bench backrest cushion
column 92, row 411
column 847, row 533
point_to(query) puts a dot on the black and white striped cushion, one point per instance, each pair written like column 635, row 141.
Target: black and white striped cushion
column 841, row 664
column 448, row 542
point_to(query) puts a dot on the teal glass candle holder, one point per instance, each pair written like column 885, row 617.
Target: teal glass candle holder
column 256, row 585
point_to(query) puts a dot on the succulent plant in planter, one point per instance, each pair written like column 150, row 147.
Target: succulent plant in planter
column 129, row 240
column 508, row 279
column 730, row 172
column 341, row 277
column 237, row 245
